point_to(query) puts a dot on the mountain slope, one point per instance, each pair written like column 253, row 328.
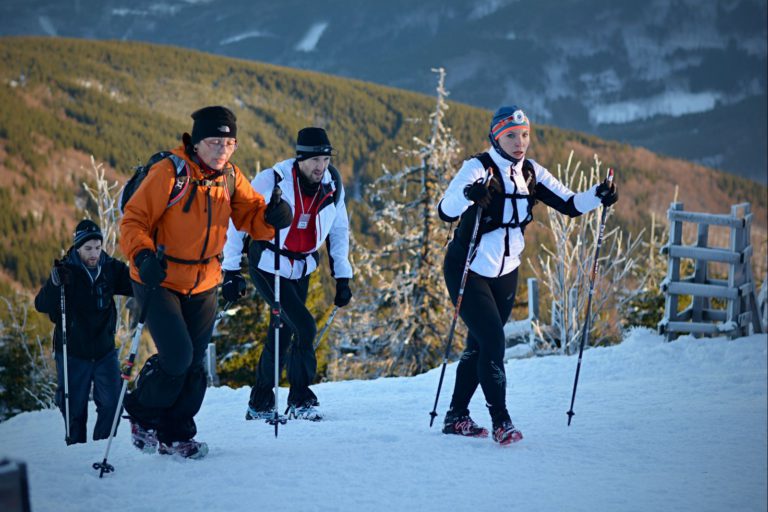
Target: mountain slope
column 650, row 74
column 658, row 426
column 63, row 100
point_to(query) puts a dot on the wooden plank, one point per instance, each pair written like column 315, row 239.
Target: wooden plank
column 704, row 253
column 737, row 272
column 704, row 218
column 533, row 298
column 696, row 327
column 700, row 272
column 702, row 290
column 714, row 315
column 673, row 268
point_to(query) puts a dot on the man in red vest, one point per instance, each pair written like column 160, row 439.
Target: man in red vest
column 316, row 196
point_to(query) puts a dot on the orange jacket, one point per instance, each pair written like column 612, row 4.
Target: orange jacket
column 195, row 235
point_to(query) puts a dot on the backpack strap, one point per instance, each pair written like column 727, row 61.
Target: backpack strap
column 487, row 162
column 336, row 177
column 181, row 184
column 529, row 175
column 229, row 177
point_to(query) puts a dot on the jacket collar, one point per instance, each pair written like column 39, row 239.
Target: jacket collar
column 503, row 163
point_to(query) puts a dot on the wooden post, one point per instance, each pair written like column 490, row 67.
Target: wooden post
column 673, row 266
column 737, row 275
column 699, row 304
column 533, row 308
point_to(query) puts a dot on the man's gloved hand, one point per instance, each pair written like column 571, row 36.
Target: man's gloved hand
column 480, row 193
column 60, row 274
column 343, row 293
column 278, row 213
column 608, row 192
column 234, row 286
column 151, row 269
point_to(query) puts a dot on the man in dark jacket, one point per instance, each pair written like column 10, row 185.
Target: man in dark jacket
column 90, row 279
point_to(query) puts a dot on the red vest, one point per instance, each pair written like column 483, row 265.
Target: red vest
column 302, row 235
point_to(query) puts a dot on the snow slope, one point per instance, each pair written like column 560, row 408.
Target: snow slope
column 659, row 426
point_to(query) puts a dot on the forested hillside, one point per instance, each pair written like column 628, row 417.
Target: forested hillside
column 63, row 100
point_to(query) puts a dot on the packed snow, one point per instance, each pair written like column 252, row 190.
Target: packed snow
column 659, row 426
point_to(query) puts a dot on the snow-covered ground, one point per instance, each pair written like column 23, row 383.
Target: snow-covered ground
column 659, row 426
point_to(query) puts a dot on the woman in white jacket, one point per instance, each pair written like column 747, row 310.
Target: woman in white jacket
column 313, row 190
column 504, row 186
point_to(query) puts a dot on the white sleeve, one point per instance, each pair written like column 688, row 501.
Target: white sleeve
column 338, row 240
column 453, row 203
column 233, row 248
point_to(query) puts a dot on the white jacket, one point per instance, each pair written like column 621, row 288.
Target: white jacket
column 498, row 252
column 332, row 224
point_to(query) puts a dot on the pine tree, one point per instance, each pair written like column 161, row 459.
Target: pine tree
column 397, row 323
column 27, row 375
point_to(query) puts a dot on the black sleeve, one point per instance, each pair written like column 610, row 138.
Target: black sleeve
column 48, row 300
column 564, row 206
column 122, row 279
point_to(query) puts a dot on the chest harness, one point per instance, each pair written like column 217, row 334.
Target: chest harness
column 493, row 216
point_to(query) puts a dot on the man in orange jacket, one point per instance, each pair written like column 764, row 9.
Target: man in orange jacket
column 185, row 204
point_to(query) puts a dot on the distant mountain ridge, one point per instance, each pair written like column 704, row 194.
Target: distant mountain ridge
column 62, row 100
column 683, row 78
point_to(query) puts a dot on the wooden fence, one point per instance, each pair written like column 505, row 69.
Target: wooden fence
column 738, row 290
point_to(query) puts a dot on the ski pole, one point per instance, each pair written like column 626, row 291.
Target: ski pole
column 103, row 466
column 220, row 314
column 64, row 360
column 470, row 253
column 592, row 278
column 320, row 335
column 276, row 312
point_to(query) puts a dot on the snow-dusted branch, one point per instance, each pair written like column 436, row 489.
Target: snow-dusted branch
column 564, row 269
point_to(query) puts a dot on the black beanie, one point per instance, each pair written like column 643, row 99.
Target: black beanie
column 312, row 142
column 86, row 230
column 213, row 122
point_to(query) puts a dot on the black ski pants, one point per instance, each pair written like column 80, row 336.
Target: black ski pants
column 297, row 335
column 172, row 384
column 485, row 307
column 104, row 374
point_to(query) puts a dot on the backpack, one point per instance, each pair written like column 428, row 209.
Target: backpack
column 180, row 186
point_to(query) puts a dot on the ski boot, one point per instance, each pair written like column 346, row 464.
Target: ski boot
column 462, row 425
column 304, row 412
column 145, row 439
column 187, row 449
column 506, row 433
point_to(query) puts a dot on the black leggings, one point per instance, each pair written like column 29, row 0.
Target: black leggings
column 485, row 307
column 172, row 384
column 297, row 334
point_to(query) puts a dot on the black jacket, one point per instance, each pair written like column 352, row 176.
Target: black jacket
column 90, row 306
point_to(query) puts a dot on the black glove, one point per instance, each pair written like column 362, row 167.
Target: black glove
column 234, row 286
column 60, row 274
column 151, row 269
column 343, row 293
column 608, row 192
column 480, row 193
column 278, row 213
